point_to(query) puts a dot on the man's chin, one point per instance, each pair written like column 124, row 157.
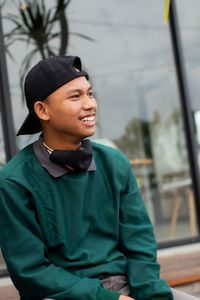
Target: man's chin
column 88, row 135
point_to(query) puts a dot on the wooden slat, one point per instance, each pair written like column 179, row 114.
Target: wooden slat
column 185, row 280
column 145, row 161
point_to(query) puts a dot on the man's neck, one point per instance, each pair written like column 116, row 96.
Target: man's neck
column 57, row 144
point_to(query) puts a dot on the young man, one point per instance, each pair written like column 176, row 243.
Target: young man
column 73, row 224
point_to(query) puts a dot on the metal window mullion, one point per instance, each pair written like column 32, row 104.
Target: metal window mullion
column 185, row 103
column 5, row 102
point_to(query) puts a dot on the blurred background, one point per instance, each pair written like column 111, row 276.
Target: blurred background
column 149, row 106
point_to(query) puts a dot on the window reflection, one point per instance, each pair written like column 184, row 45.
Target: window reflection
column 139, row 106
column 189, row 30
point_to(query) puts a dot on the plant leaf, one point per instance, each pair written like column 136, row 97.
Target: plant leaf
column 86, row 37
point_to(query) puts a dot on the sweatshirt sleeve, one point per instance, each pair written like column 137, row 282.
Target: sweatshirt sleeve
column 26, row 256
column 138, row 243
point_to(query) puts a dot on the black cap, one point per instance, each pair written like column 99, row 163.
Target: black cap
column 42, row 80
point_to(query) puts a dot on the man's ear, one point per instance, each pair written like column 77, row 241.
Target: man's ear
column 41, row 110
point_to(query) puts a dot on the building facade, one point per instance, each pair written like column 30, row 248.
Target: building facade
column 145, row 74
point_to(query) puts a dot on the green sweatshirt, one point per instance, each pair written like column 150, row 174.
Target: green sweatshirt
column 60, row 236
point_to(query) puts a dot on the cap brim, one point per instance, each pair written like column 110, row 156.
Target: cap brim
column 31, row 124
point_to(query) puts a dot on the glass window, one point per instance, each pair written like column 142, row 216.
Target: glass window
column 126, row 48
column 131, row 65
column 189, row 29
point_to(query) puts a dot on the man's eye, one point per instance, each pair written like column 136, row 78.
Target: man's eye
column 91, row 94
column 75, row 96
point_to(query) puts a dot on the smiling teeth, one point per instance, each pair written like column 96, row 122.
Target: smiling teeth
column 88, row 119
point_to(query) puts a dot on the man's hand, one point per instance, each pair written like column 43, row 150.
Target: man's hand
column 125, row 298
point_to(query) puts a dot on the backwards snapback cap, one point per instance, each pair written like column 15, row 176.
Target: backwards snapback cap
column 42, row 80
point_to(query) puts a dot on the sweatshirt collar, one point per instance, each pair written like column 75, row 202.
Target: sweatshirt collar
column 53, row 169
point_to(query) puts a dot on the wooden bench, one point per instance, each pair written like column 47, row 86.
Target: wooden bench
column 180, row 269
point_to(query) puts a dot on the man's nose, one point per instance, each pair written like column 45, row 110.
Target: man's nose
column 89, row 103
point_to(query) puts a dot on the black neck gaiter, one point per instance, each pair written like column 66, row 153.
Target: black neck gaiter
column 80, row 160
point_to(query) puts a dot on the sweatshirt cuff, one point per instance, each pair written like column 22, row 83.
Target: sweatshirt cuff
column 103, row 294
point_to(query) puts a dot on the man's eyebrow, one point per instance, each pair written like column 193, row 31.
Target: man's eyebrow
column 78, row 90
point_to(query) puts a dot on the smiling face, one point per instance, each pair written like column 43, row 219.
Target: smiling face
column 69, row 113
